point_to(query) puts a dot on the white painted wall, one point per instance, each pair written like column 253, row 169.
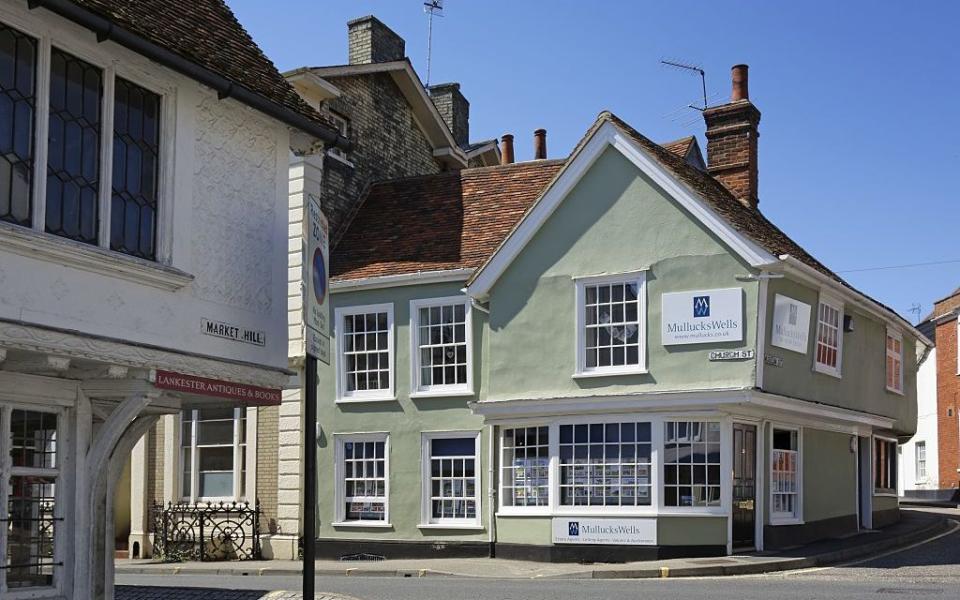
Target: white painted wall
column 926, row 431
column 225, row 195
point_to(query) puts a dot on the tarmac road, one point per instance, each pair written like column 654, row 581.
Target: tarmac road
column 929, row 570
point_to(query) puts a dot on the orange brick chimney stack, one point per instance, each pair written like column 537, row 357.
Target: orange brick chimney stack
column 732, row 141
column 540, row 144
column 506, row 149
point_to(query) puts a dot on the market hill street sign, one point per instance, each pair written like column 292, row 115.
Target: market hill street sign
column 233, row 332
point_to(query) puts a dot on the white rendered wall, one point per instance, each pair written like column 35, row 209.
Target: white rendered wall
column 224, row 185
column 926, row 431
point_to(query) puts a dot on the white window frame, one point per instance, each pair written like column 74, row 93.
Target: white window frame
column 48, row 34
column 920, row 474
column 339, row 483
column 418, row 390
column 427, row 520
column 248, row 492
column 656, row 507
column 781, row 518
column 888, row 354
column 837, row 305
column 61, row 524
column 891, row 491
column 342, row 124
column 638, row 277
column 364, row 395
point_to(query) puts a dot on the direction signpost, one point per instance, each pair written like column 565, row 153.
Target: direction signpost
column 316, row 265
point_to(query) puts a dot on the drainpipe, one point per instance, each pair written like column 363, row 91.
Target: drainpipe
column 492, row 495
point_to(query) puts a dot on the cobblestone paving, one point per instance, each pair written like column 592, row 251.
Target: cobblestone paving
column 130, row 592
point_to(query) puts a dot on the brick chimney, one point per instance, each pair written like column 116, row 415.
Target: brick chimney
column 454, row 109
column 540, row 144
column 732, row 141
column 370, row 41
column 506, row 149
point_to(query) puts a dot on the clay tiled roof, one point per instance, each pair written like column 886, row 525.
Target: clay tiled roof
column 452, row 220
column 207, row 33
column 679, row 147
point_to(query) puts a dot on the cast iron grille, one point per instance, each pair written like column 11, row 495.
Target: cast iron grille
column 212, row 531
column 73, row 162
column 136, row 145
column 18, row 65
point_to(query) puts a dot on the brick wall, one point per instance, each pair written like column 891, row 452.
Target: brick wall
column 948, row 400
column 388, row 143
column 154, row 460
column 370, row 41
column 267, row 448
column 455, row 110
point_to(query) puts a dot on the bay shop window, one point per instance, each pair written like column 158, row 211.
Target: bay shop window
column 622, row 465
column 79, row 147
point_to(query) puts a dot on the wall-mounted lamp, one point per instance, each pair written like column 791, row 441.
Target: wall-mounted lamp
column 847, row 323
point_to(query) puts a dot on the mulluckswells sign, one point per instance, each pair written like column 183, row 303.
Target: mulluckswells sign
column 702, row 317
column 578, row 530
column 791, row 324
column 248, row 394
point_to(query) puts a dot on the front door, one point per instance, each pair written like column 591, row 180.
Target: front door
column 744, row 484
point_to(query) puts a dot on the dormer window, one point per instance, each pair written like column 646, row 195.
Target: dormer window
column 96, row 188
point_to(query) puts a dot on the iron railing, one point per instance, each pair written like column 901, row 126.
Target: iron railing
column 206, row 531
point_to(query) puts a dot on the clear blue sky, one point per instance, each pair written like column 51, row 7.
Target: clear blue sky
column 858, row 148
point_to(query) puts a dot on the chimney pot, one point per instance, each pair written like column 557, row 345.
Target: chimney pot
column 741, row 89
column 506, row 149
column 540, row 144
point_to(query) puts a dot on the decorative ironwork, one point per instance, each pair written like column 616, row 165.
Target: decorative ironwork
column 206, row 531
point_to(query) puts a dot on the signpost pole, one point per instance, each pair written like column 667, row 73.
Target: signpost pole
column 317, row 333
column 310, row 481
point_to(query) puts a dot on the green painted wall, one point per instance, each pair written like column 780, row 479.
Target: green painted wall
column 862, row 386
column 404, row 419
column 671, row 531
column 829, row 475
column 614, row 220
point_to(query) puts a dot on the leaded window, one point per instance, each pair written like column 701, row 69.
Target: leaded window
column 453, row 493
column 784, row 475
column 605, row 464
column 526, row 466
column 73, row 150
column 213, row 457
column 29, row 483
column 136, row 149
column 442, row 338
column 691, row 463
column 18, row 64
column 363, row 477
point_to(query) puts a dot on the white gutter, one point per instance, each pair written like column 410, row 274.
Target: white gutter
column 810, row 275
column 388, row 281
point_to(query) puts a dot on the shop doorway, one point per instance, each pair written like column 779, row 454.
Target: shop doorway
column 744, row 485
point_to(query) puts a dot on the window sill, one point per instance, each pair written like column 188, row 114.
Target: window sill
column 55, row 249
column 341, row 159
column 885, row 494
column 827, row 371
column 786, row 521
column 533, row 511
column 610, row 373
column 442, row 394
column 362, row 399
column 462, row 526
column 895, row 391
column 363, row 524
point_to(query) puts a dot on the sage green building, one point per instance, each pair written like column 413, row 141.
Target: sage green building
column 614, row 356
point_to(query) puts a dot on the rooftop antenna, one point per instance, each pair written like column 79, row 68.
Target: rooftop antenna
column 916, row 309
column 431, row 7
column 691, row 68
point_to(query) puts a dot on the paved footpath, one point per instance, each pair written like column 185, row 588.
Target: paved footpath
column 129, row 592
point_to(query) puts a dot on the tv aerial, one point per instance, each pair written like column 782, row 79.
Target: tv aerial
column 691, row 68
column 432, row 8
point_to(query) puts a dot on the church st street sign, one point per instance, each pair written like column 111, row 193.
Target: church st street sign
column 250, row 395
